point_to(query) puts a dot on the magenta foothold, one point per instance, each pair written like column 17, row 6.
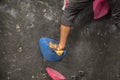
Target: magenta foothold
column 54, row 74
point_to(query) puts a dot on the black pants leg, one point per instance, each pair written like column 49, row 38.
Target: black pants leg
column 72, row 10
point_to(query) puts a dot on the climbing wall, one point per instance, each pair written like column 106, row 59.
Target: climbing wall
column 93, row 45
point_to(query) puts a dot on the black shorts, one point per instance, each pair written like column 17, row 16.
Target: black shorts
column 72, row 10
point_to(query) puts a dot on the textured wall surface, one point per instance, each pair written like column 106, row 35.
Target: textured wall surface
column 93, row 46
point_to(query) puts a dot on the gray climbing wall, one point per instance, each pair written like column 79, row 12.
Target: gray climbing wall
column 93, row 46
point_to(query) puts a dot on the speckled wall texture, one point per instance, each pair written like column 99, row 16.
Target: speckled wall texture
column 93, row 46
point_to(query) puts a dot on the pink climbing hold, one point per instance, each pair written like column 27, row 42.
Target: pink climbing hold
column 100, row 8
column 54, row 74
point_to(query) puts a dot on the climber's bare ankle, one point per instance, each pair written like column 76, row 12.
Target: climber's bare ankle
column 60, row 47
